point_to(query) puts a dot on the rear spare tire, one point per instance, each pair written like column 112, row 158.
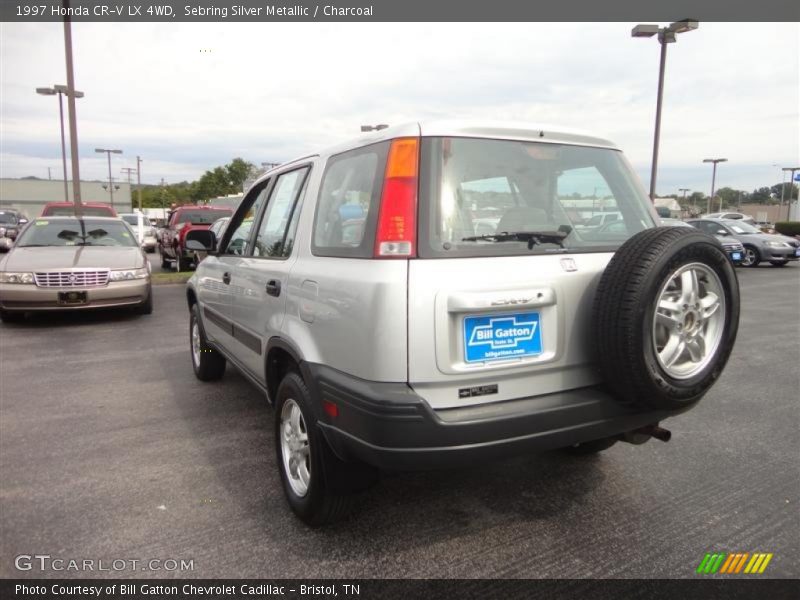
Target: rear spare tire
column 666, row 313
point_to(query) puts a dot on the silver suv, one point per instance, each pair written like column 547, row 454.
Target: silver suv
column 420, row 297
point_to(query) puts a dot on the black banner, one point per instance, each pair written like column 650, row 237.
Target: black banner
column 257, row 589
column 393, row 10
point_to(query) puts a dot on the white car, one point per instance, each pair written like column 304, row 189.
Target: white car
column 737, row 216
column 145, row 232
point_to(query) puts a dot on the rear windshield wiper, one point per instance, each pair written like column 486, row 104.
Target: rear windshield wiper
column 531, row 237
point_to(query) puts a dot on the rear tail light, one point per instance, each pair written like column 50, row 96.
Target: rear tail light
column 397, row 219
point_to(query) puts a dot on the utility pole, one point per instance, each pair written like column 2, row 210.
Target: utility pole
column 684, row 190
column 139, row 181
column 128, row 171
column 715, row 161
column 73, row 118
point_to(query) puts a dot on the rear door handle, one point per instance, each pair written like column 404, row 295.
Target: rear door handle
column 274, row 287
column 226, row 278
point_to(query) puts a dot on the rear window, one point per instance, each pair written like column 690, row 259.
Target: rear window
column 347, row 210
column 68, row 211
column 201, row 217
column 473, row 190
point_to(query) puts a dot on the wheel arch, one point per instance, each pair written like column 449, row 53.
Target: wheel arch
column 281, row 357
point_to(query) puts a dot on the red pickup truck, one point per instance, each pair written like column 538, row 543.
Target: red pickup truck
column 171, row 239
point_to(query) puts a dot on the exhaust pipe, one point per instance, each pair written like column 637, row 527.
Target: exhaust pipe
column 641, row 435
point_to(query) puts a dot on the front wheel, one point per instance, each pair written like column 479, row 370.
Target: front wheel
column 751, row 257
column 208, row 364
column 318, row 486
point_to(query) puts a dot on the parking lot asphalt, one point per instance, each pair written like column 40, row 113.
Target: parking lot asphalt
column 111, row 449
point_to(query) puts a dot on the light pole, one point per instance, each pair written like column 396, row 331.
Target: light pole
column 791, row 189
column 60, row 90
column 139, row 181
column 365, row 128
column 129, row 170
column 713, row 179
column 110, row 181
column 666, row 35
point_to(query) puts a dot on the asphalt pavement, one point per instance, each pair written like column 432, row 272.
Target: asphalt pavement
column 110, row 449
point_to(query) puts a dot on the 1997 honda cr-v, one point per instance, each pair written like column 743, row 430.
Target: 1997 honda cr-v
column 432, row 294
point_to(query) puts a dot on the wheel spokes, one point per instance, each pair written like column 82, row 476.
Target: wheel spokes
column 689, row 286
column 672, row 351
column 709, row 304
column 697, row 348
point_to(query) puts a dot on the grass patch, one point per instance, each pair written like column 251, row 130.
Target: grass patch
column 165, row 278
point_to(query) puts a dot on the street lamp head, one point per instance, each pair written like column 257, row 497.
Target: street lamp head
column 715, row 160
column 45, row 91
column 62, row 89
column 683, row 26
column 644, row 31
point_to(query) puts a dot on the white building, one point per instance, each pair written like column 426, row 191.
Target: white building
column 30, row 195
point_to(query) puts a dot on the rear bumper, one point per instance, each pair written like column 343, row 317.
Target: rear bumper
column 387, row 425
column 31, row 297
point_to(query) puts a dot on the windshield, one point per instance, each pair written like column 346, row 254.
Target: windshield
column 68, row 211
column 202, row 217
column 472, row 190
column 8, row 218
column 134, row 220
column 741, row 227
column 68, row 232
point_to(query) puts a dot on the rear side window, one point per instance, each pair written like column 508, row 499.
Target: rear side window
column 481, row 197
column 349, row 199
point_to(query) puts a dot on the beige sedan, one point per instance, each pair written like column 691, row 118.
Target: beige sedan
column 65, row 263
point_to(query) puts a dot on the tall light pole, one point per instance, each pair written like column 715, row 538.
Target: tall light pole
column 61, row 90
column 73, row 117
column 110, row 181
column 366, row 128
column 666, row 35
column 713, row 179
column 791, row 189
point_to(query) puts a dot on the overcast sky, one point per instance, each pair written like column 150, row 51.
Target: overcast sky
column 189, row 97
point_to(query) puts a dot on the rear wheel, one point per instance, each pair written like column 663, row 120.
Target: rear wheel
column 751, row 257
column 319, row 487
column 591, row 447
column 208, row 364
column 666, row 314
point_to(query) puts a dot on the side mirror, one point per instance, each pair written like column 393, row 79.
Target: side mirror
column 201, row 239
column 722, row 232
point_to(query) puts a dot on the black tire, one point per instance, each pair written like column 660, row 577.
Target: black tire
column 751, row 257
column 165, row 263
column 624, row 315
column 592, row 447
column 779, row 263
column 208, row 364
column 12, row 316
column 146, row 307
column 330, row 494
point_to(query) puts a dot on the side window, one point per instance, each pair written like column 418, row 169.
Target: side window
column 273, row 237
column 345, row 221
column 241, row 224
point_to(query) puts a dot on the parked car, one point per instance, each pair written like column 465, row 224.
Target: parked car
column 145, row 232
column 183, row 219
column 413, row 341
column 733, row 248
column 65, row 263
column 67, row 209
column 778, row 250
column 598, row 220
column 733, row 216
column 11, row 221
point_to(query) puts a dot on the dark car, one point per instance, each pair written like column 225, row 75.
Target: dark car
column 733, row 248
column 11, row 221
column 183, row 219
column 778, row 250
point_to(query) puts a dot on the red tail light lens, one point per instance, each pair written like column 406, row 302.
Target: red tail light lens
column 397, row 220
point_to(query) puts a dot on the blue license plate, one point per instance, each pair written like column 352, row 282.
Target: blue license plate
column 497, row 337
column 736, row 255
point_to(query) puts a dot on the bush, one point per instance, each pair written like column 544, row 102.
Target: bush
column 790, row 228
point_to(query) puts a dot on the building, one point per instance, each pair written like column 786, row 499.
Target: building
column 30, row 195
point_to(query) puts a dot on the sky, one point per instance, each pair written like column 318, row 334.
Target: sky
column 188, row 97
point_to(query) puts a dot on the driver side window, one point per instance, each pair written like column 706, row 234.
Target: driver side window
column 241, row 224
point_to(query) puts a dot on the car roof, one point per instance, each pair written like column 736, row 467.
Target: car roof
column 495, row 130
column 200, row 207
column 95, row 204
column 73, row 217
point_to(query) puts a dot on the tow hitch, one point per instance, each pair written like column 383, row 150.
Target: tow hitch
column 641, row 435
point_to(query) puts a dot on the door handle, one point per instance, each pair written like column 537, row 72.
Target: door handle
column 226, row 278
column 274, row 287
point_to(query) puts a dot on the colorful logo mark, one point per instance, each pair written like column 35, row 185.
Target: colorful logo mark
column 734, row 563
